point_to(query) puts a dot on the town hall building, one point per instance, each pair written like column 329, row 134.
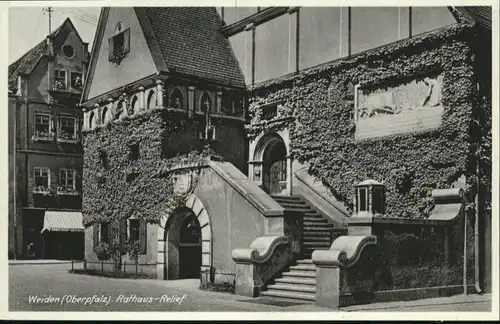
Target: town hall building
column 233, row 144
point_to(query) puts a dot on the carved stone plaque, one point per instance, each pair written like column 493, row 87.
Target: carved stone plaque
column 409, row 107
column 183, row 182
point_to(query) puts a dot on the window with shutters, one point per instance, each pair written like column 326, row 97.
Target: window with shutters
column 119, row 43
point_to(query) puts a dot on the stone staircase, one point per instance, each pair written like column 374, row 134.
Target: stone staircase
column 298, row 282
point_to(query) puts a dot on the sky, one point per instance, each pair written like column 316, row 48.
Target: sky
column 29, row 26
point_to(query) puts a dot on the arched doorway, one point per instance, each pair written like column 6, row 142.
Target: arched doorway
column 190, row 248
column 183, row 254
column 274, row 175
column 170, row 248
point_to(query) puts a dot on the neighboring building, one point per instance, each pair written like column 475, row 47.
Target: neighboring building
column 45, row 131
column 328, row 97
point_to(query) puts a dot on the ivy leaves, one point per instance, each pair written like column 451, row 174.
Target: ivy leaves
column 411, row 165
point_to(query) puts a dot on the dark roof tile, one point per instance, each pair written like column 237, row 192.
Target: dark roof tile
column 191, row 42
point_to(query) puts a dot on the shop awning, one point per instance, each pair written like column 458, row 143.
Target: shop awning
column 62, row 221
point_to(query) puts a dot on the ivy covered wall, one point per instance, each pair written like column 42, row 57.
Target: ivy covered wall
column 118, row 185
column 411, row 165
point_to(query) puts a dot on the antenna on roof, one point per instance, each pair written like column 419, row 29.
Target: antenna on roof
column 50, row 11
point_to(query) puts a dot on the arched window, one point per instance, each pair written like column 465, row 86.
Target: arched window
column 206, row 103
column 104, row 114
column 135, row 104
column 151, row 99
column 176, row 100
column 91, row 120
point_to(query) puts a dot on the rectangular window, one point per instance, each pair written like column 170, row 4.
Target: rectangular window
column 60, row 79
column 271, row 49
column 134, row 152
column 269, row 112
column 42, row 177
column 424, row 19
column 104, row 233
column 42, row 125
column 134, row 225
column 323, row 35
column 362, row 200
column 377, row 199
column 372, row 27
column 119, row 45
column 76, row 80
column 67, row 128
column 67, row 179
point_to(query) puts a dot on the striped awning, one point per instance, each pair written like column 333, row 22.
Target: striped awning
column 62, row 221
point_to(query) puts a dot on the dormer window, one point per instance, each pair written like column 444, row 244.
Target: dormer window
column 119, row 43
column 60, row 79
column 76, row 80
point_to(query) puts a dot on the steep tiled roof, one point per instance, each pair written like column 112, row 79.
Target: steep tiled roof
column 26, row 62
column 481, row 14
column 191, row 42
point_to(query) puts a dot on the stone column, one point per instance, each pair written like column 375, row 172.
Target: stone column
column 97, row 114
column 249, row 54
column 293, row 16
column 110, row 108
column 159, row 93
column 191, row 104
column 289, row 174
column 142, row 99
column 85, row 119
column 219, row 103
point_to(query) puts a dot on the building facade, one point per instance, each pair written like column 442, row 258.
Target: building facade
column 46, row 136
column 238, row 140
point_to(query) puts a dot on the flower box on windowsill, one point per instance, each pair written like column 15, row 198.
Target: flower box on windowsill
column 42, row 191
column 43, row 137
column 67, row 192
column 67, row 140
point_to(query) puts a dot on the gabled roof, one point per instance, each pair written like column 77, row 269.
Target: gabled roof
column 184, row 40
column 27, row 62
column 191, row 42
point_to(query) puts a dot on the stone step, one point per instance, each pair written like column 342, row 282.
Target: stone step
column 310, row 215
column 317, row 233
column 289, row 295
column 299, row 274
column 297, row 281
column 315, row 220
column 316, row 243
column 303, row 267
column 305, row 261
column 292, row 287
column 279, row 197
column 294, row 209
column 321, row 225
column 316, row 238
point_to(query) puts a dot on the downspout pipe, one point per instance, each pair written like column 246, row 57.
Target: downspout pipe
column 477, row 283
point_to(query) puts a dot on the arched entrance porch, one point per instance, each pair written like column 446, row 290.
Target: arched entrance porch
column 185, row 242
column 271, row 165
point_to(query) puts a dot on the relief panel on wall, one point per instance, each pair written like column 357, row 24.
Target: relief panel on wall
column 413, row 106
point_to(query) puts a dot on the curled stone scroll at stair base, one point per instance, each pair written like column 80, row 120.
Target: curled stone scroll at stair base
column 338, row 271
column 266, row 256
